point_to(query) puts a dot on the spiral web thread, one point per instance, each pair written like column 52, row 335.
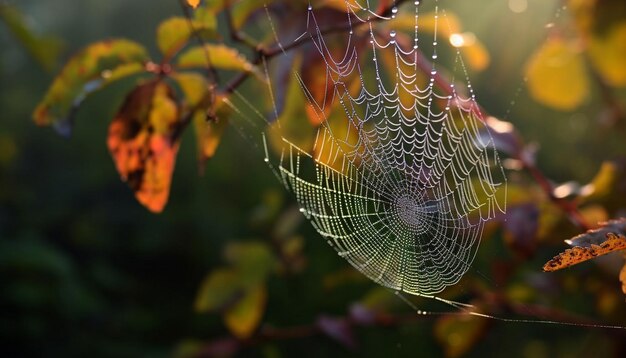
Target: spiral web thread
column 402, row 182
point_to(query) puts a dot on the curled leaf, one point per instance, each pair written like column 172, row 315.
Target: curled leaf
column 89, row 70
column 142, row 145
column 607, row 238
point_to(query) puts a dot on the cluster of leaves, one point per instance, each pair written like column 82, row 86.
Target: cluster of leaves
column 182, row 88
column 590, row 48
column 145, row 134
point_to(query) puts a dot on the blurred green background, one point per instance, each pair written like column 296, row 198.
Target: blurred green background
column 86, row 271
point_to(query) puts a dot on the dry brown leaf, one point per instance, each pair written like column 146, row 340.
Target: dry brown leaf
column 580, row 254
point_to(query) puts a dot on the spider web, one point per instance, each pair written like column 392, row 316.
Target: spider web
column 402, row 173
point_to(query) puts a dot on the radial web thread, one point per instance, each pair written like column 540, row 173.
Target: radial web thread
column 402, row 182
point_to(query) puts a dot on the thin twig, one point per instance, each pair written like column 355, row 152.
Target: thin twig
column 264, row 53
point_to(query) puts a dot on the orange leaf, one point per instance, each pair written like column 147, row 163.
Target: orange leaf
column 140, row 141
column 580, row 254
column 193, row 3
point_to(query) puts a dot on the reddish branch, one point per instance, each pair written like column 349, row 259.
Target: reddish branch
column 341, row 328
column 263, row 53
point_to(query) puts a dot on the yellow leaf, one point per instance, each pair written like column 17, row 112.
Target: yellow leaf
column 556, row 75
column 174, row 33
column 221, row 57
column 608, row 55
column 193, row 85
column 244, row 317
column 208, row 134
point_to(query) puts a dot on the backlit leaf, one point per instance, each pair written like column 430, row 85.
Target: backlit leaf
column 221, row 57
column 174, row 33
column 556, row 75
column 218, row 291
column 194, row 86
column 90, row 69
column 209, row 131
column 599, row 235
column 193, row 3
column 244, row 316
column 608, row 54
column 141, row 144
column 610, row 237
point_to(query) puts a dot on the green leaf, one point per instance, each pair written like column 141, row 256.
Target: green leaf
column 89, row 70
column 221, row 57
column 244, row 317
column 254, row 260
column 174, row 33
column 219, row 290
column 44, row 49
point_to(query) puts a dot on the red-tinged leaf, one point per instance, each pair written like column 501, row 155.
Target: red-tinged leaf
column 141, row 144
column 89, row 70
column 244, row 317
column 579, row 254
column 338, row 329
column 174, row 33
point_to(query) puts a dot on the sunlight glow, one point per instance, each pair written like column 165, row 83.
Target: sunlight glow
column 518, row 6
column 461, row 40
